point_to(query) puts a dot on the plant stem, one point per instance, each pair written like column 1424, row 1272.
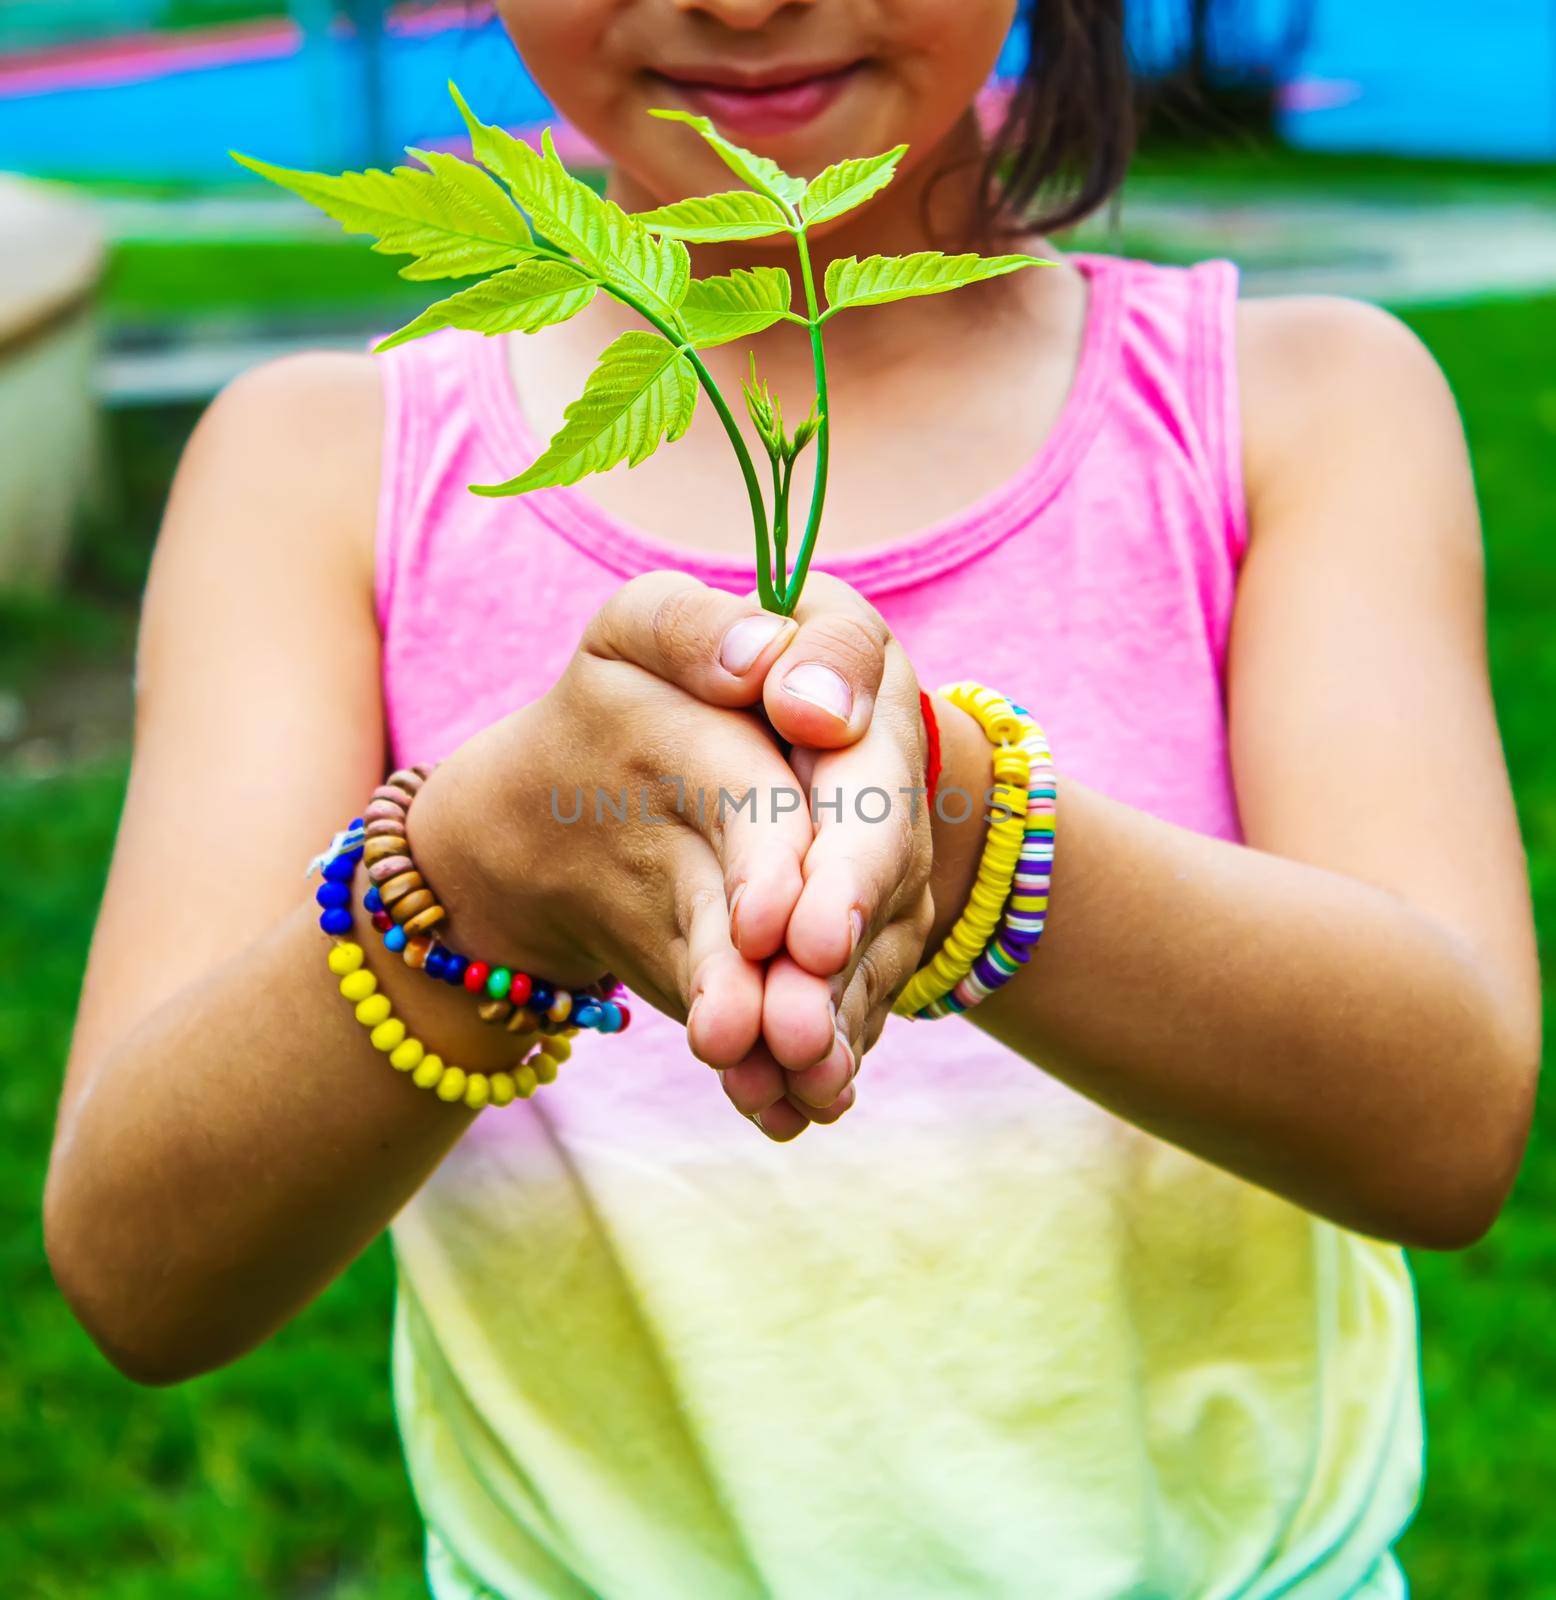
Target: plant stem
column 764, row 581
column 788, row 474
column 818, row 494
column 780, row 529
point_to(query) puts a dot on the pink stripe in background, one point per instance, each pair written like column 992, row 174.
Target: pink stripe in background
column 137, row 58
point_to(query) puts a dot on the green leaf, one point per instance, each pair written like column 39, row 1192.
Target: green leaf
column 807, row 430
column 765, row 412
column 740, row 214
column 451, row 217
column 642, row 392
column 879, row 279
column 524, row 299
column 840, row 188
column 578, row 221
column 745, row 301
column 763, row 175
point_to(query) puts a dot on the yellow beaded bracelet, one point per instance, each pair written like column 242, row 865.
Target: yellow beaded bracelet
column 429, row 1071
column 1004, row 728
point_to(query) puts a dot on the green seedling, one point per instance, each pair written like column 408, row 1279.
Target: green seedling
column 542, row 244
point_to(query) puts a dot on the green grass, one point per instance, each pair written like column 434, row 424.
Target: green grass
column 187, row 281
column 175, row 280
column 281, row 1477
column 1489, row 1358
column 1254, row 169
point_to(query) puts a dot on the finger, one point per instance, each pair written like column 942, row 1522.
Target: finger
column 822, row 1094
column 782, row 1122
column 817, row 1087
column 753, row 814
column 755, row 1083
column 721, row 990
column 872, row 849
column 716, row 646
column 879, row 976
column 821, row 690
column 798, row 1015
column 823, row 1114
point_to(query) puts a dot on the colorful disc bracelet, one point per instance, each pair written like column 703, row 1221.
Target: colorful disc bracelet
column 1006, row 910
column 1026, row 910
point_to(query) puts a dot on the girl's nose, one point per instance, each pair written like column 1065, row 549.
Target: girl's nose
column 744, row 14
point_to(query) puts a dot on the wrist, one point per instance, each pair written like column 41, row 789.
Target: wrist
column 958, row 824
column 442, row 1017
column 475, row 833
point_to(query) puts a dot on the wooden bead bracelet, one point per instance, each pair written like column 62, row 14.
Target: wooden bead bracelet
column 404, row 910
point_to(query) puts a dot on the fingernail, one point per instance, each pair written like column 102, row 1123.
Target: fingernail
column 692, row 1010
column 821, row 686
column 734, row 909
column 842, row 1039
column 756, row 1117
column 855, row 929
column 747, row 640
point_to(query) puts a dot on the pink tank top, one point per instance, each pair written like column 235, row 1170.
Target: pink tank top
column 982, row 1337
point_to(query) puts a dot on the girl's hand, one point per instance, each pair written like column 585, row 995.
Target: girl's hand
column 525, row 831
column 834, row 681
column 843, row 692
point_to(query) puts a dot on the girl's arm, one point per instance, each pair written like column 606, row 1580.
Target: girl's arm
column 228, row 1138
column 206, row 1136
column 1346, row 1010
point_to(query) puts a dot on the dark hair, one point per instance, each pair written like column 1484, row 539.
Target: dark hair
column 1065, row 143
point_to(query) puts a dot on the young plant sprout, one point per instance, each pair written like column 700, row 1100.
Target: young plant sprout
column 543, row 254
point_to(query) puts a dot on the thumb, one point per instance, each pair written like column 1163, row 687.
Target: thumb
column 821, row 691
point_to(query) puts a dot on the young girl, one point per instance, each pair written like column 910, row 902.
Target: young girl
column 1098, row 1291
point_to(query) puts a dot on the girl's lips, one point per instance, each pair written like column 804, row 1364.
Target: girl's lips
column 766, row 109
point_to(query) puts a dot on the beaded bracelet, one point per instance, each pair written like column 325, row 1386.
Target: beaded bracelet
column 1026, row 911
column 515, row 999
column 403, row 908
column 537, row 1063
column 975, row 931
column 427, row 1070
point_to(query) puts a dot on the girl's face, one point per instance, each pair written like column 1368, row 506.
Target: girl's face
column 802, row 81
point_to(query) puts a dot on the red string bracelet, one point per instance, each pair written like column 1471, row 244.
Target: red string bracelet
column 932, row 736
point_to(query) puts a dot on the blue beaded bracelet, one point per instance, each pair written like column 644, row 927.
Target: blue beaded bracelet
column 340, row 864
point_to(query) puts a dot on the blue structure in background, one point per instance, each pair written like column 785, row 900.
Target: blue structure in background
column 1427, row 77
column 299, row 107
column 1416, row 76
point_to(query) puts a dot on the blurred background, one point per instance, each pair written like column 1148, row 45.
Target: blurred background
column 1404, row 152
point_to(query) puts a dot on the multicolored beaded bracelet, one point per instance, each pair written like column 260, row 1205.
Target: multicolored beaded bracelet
column 1005, row 854
column 1026, row 911
column 514, row 999
column 429, row 1071
column 403, row 909
column 542, row 1053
